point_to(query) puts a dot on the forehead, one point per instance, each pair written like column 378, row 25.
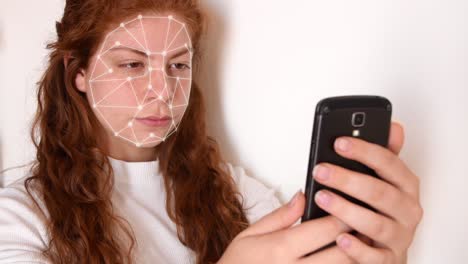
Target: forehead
column 150, row 33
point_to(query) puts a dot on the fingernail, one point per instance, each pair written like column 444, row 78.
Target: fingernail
column 397, row 121
column 321, row 172
column 323, row 198
column 342, row 144
column 294, row 199
column 343, row 241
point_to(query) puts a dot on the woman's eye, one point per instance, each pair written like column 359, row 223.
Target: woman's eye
column 132, row 65
column 179, row 66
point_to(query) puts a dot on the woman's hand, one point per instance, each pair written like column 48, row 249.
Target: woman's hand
column 273, row 239
column 396, row 198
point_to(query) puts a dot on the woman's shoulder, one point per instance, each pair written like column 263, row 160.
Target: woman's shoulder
column 22, row 223
column 12, row 185
column 258, row 199
column 11, row 175
column 15, row 192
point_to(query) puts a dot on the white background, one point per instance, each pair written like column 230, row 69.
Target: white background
column 267, row 64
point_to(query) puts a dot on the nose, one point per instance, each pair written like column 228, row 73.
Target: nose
column 158, row 86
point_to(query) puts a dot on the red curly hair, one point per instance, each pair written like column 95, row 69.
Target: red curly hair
column 73, row 175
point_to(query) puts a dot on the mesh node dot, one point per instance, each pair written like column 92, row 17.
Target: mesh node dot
column 150, row 86
column 122, row 25
column 129, row 78
column 117, row 43
column 148, row 53
column 140, row 107
column 111, row 70
column 116, row 134
column 160, row 97
column 151, row 134
column 138, row 144
column 170, row 106
column 130, row 124
column 94, row 105
column 140, row 16
column 164, row 53
column 150, row 69
column 170, row 17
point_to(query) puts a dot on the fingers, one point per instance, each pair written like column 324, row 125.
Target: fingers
column 280, row 218
column 381, row 195
column 364, row 239
column 384, row 162
column 396, row 138
column 332, row 255
column 374, row 225
column 312, row 235
column 361, row 252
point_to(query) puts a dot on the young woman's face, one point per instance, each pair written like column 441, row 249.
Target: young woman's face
column 138, row 83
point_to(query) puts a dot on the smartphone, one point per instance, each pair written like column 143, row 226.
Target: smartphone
column 367, row 117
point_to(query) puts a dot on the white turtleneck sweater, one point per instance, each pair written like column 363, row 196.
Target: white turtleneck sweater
column 139, row 197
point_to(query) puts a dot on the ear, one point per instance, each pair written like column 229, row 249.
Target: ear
column 80, row 81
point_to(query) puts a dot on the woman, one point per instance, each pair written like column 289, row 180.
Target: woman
column 125, row 172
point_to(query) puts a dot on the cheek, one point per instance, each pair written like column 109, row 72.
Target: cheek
column 114, row 118
column 113, row 94
column 114, row 103
column 181, row 92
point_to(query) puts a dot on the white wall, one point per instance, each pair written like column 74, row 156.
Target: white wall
column 25, row 28
column 268, row 62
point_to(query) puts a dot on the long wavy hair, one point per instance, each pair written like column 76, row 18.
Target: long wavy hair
column 72, row 172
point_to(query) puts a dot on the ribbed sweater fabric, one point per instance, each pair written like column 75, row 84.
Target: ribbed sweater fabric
column 139, row 196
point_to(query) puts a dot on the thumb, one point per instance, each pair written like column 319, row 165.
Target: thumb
column 280, row 218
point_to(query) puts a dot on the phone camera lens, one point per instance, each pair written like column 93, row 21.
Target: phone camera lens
column 358, row 119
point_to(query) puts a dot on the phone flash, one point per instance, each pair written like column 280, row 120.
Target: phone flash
column 356, row 133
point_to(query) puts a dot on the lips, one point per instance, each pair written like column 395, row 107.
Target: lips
column 154, row 120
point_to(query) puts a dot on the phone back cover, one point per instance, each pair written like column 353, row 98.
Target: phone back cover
column 333, row 119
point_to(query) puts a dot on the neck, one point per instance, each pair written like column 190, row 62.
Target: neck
column 121, row 150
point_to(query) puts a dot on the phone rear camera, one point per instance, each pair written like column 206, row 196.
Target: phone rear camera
column 359, row 119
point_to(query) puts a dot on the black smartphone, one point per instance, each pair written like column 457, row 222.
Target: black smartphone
column 366, row 117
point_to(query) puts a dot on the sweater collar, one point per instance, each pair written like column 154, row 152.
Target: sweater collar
column 135, row 173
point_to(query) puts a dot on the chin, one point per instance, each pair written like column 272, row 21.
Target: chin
column 151, row 145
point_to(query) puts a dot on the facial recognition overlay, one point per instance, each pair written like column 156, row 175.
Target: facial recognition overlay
column 141, row 79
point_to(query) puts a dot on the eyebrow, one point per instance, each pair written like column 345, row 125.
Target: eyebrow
column 142, row 53
column 139, row 52
column 180, row 53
